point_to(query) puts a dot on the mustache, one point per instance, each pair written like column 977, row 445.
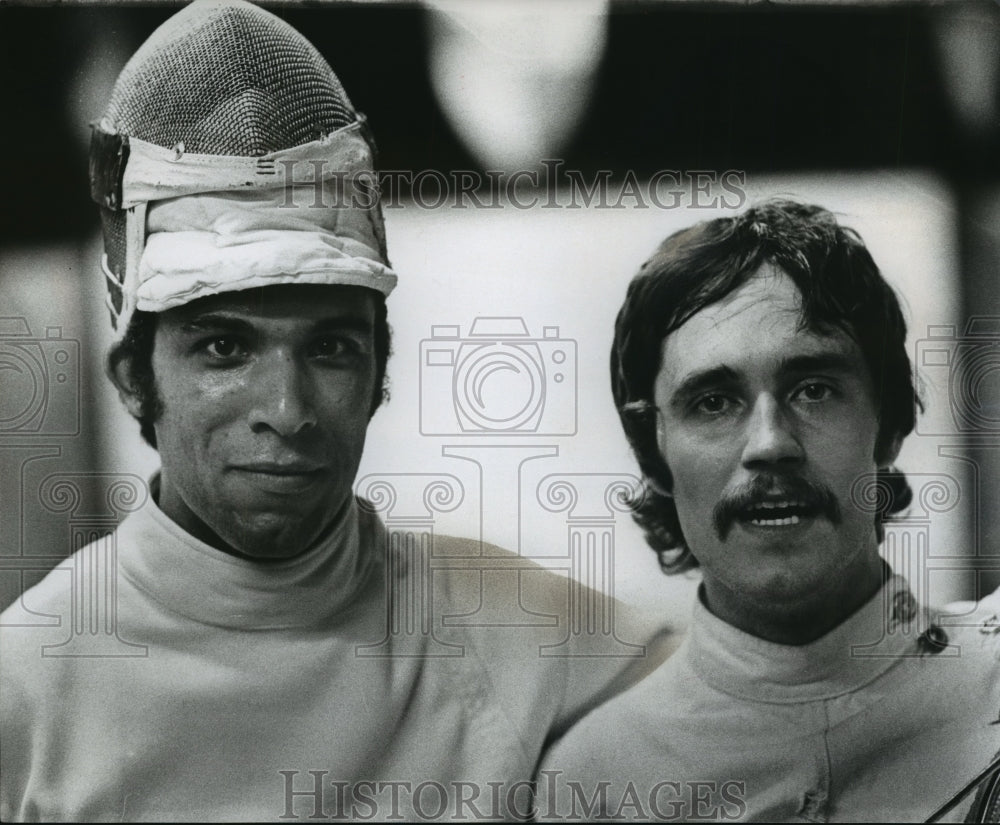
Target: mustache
column 769, row 487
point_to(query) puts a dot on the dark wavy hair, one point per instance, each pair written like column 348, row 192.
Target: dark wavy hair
column 135, row 353
column 841, row 288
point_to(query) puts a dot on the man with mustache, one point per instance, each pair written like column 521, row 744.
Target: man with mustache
column 270, row 656
column 760, row 372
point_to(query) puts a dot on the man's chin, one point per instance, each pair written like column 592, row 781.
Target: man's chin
column 770, row 590
column 791, row 576
column 271, row 536
column 262, row 526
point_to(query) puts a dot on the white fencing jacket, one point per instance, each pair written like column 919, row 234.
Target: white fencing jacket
column 863, row 724
column 351, row 682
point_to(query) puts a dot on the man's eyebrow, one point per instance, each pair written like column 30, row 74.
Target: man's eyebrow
column 209, row 321
column 702, row 380
column 822, row 362
column 344, row 323
column 216, row 320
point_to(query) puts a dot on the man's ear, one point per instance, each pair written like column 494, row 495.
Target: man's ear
column 120, row 372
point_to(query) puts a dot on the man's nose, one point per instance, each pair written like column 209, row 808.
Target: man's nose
column 771, row 437
column 283, row 399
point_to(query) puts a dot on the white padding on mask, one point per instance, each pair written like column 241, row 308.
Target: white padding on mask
column 154, row 173
column 200, row 245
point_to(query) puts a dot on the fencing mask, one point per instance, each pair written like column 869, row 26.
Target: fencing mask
column 230, row 157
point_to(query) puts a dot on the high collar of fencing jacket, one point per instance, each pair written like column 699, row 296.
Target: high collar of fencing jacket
column 189, row 577
column 850, row 656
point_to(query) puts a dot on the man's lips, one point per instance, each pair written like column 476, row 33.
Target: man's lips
column 281, row 476
column 280, row 467
column 781, row 512
column 775, row 503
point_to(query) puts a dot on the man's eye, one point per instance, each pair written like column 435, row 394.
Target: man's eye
column 332, row 347
column 713, row 404
column 814, row 391
column 223, row 347
column 327, row 348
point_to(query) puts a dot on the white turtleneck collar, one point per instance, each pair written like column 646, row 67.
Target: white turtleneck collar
column 189, row 577
column 860, row 649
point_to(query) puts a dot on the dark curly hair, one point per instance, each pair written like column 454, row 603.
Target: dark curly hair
column 135, row 353
column 841, row 288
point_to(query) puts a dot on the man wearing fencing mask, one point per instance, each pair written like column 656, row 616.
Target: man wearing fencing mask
column 251, row 345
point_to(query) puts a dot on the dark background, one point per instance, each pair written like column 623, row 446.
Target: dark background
column 758, row 88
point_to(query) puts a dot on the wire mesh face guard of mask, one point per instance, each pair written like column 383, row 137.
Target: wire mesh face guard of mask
column 230, row 100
